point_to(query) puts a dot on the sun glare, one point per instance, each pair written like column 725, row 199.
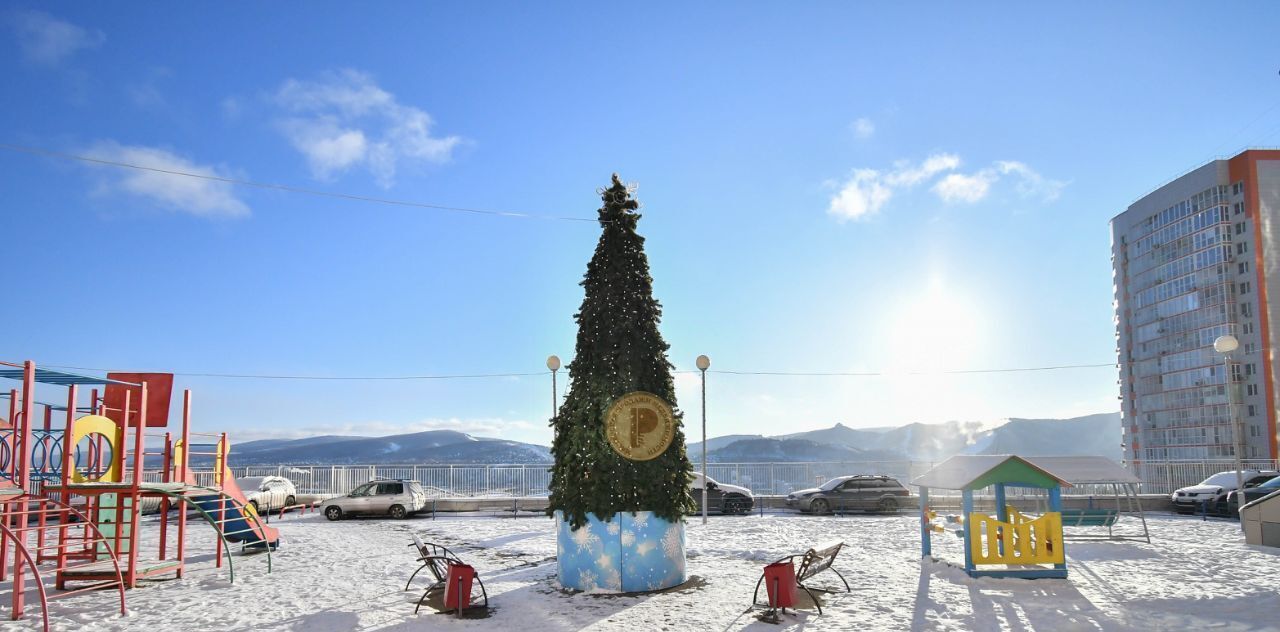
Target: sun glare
column 938, row 328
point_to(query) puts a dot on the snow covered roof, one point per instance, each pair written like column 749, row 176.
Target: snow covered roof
column 974, row 471
column 1083, row 470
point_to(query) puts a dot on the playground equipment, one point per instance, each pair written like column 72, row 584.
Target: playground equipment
column 1117, row 494
column 1008, row 544
column 78, row 491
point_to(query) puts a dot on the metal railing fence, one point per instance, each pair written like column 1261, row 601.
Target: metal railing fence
column 532, row 479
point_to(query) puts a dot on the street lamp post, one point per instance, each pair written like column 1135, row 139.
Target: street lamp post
column 1225, row 345
column 553, row 363
column 703, row 363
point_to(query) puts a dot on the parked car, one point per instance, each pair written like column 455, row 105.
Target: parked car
column 721, row 497
column 1229, row 504
column 1191, row 499
column 268, row 492
column 395, row 498
column 864, row 492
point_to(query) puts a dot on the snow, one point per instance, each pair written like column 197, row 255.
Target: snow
column 1082, row 470
column 348, row 575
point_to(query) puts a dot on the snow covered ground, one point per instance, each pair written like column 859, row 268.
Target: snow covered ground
column 350, row 575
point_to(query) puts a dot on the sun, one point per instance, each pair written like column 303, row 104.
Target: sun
column 937, row 328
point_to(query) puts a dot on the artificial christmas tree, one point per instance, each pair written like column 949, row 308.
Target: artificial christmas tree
column 621, row 476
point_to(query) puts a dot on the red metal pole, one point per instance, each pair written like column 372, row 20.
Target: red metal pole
column 220, row 464
column 182, row 476
column 68, row 466
column 12, row 441
column 135, row 509
column 46, row 468
column 21, row 474
column 118, row 456
column 164, row 501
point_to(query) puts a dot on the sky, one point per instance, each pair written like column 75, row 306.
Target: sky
column 826, row 188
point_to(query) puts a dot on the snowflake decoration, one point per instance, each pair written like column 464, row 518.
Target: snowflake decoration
column 643, row 548
column 641, row 519
column 628, row 538
column 613, row 580
column 614, row 527
column 586, row 580
column 671, row 544
column 584, row 538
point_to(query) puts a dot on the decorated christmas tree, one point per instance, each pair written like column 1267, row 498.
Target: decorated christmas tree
column 619, row 351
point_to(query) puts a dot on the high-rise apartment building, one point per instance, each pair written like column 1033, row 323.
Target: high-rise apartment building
column 1191, row 261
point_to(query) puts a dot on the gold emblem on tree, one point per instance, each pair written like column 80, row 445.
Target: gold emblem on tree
column 640, row 425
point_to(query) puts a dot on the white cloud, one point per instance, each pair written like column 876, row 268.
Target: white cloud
column 862, row 195
column 863, row 128
column 184, row 194
column 905, row 175
column 1032, row 184
column 958, row 187
column 345, row 121
column 867, row 190
column 972, row 188
column 47, row 41
column 486, row 427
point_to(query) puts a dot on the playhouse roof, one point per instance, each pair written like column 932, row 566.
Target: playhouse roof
column 1084, row 470
column 975, row 471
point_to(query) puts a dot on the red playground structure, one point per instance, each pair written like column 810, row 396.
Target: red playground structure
column 71, row 498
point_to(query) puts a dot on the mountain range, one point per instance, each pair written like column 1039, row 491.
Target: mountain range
column 1098, row 435
column 1089, row 435
column 432, row 446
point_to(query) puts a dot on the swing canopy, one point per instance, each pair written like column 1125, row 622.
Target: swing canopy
column 976, row 471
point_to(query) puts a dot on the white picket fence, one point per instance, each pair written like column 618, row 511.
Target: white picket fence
column 525, row 480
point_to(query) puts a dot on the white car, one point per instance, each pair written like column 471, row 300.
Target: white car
column 721, row 497
column 395, row 498
column 268, row 492
column 1190, row 499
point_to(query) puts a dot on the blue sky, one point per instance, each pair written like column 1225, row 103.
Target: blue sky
column 826, row 188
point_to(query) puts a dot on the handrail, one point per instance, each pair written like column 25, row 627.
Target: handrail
column 223, row 497
column 20, row 548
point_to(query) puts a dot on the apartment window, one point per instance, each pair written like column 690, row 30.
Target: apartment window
column 1251, row 389
column 1237, row 187
column 1250, row 368
column 1245, row 287
column 1242, row 247
column 1243, row 267
column 1239, row 228
column 1253, row 412
column 1250, row 348
column 1247, row 328
column 1238, row 208
column 1246, row 310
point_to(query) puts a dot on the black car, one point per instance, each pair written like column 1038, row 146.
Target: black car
column 1228, row 505
column 865, row 492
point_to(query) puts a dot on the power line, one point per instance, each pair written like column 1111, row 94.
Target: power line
column 288, row 188
column 257, row 376
column 895, row 373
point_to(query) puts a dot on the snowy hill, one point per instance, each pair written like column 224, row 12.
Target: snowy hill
column 715, row 443
column 433, row 446
column 1089, row 435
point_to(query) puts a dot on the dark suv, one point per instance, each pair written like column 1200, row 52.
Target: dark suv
column 864, row 492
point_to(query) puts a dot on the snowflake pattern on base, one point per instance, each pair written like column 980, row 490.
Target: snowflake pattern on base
column 631, row 553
